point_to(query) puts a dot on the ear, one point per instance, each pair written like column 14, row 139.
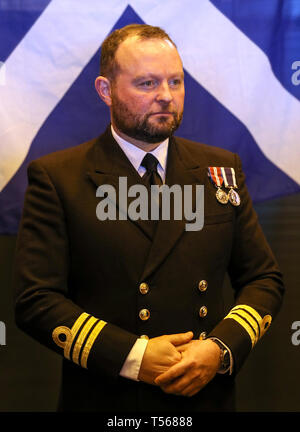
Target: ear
column 103, row 88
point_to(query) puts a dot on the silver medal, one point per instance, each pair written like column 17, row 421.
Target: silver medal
column 234, row 197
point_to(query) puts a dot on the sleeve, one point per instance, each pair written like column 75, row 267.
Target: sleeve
column 255, row 278
column 44, row 308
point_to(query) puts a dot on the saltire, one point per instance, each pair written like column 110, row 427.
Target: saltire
column 242, row 83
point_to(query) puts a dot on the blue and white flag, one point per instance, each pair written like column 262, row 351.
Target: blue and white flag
column 242, row 73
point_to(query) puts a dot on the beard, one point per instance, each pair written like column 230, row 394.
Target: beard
column 140, row 127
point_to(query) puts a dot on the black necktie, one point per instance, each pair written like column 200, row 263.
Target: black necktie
column 151, row 176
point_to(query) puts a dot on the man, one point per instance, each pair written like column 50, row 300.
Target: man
column 136, row 306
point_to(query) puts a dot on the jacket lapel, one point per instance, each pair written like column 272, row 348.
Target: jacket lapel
column 110, row 164
column 181, row 170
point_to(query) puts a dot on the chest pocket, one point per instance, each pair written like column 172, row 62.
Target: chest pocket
column 214, row 211
column 218, row 218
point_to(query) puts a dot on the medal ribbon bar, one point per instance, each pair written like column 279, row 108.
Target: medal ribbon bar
column 215, row 174
column 228, row 175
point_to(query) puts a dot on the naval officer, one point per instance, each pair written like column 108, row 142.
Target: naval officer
column 135, row 307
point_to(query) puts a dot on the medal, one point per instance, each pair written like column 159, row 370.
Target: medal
column 228, row 175
column 234, row 197
column 216, row 176
column 222, row 196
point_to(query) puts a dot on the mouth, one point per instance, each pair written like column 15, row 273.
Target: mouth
column 163, row 113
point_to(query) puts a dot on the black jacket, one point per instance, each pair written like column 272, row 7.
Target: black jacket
column 77, row 278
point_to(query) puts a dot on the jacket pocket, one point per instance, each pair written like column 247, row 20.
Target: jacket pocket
column 220, row 218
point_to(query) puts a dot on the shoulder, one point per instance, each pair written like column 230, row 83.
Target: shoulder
column 63, row 168
column 65, row 159
column 205, row 154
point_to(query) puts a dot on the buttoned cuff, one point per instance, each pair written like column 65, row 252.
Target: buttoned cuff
column 132, row 364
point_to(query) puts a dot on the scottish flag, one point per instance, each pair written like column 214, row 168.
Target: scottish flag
column 242, row 73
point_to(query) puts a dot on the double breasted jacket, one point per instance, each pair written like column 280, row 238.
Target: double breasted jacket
column 88, row 288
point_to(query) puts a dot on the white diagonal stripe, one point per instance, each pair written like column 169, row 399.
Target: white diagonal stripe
column 42, row 68
column 235, row 71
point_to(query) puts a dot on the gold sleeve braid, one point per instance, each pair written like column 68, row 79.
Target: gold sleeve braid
column 78, row 341
column 251, row 321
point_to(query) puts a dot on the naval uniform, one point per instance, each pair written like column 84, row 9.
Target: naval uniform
column 88, row 289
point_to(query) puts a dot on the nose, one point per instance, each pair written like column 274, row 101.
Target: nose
column 164, row 93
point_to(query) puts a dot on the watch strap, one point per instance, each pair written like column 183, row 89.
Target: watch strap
column 225, row 356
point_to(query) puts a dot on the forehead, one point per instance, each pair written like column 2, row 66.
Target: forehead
column 136, row 56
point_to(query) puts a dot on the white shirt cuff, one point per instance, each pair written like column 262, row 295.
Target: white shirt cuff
column 132, row 364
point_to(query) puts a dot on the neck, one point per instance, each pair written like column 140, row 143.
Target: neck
column 143, row 145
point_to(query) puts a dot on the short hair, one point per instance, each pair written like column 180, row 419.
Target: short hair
column 108, row 64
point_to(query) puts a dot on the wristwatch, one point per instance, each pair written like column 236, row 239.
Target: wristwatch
column 225, row 356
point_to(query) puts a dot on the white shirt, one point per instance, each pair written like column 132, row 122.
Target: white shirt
column 136, row 155
column 132, row 364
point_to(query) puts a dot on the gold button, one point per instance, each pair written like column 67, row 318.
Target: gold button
column 144, row 337
column 202, row 336
column 144, row 288
column 203, row 311
column 144, row 314
column 203, row 285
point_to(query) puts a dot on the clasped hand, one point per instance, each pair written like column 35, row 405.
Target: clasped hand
column 179, row 364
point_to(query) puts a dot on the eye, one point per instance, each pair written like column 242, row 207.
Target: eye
column 176, row 82
column 147, row 84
